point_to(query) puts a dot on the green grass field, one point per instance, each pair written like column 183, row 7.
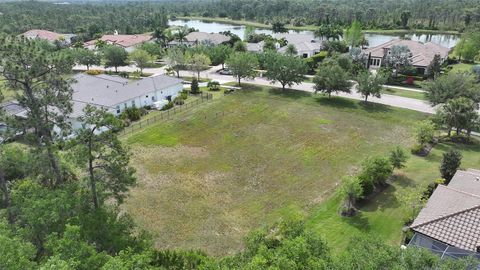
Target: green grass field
column 206, row 180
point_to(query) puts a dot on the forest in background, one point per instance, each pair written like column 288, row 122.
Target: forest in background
column 139, row 17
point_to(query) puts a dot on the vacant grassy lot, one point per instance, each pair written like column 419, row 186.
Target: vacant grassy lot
column 205, row 181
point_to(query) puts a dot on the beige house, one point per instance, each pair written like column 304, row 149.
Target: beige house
column 422, row 54
column 128, row 42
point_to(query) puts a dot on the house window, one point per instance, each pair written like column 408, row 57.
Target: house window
column 305, row 55
column 153, row 98
column 125, row 105
column 118, row 109
column 133, row 103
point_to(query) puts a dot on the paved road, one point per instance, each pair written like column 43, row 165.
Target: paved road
column 391, row 100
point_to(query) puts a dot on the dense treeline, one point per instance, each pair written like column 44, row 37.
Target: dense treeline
column 136, row 17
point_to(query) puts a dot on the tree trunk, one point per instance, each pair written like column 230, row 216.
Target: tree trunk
column 449, row 132
column 239, row 81
column 223, row 65
column 283, row 87
column 329, row 94
column 178, row 73
column 198, row 75
column 93, row 185
column 116, row 69
column 88, row 67
column 366, row 97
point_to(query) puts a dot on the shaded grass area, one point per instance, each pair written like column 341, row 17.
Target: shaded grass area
column 404, row 93
column 383, row 217
column 205, row 180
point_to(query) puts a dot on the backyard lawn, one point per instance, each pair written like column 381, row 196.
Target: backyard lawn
column 210, row 176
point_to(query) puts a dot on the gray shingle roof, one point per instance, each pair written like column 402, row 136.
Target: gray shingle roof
column 452, row 214
column 202, row 37
column 107, row 91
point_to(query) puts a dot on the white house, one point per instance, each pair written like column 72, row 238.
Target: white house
column 116, row 93
column 305, row 45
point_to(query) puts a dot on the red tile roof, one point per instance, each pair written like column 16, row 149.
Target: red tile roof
column 43, row 34
column 123, row 40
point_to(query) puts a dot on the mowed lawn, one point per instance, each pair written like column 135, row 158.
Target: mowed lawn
column 206, row 180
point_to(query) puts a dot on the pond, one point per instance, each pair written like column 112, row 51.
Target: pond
column 374, row 39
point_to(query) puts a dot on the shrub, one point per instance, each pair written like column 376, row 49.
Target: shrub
column 183, row 95
column 147, row 107
column 450, row 163
column 213, row 85
column 132, row 114
column 425, row 132
column 194, row 87
column 93, row 72
column 398, row 158
column 179, row 101
column 375, row 171
column 167, row 106
column 124, row 74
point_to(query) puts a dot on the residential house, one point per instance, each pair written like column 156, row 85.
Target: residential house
column 422, row 54
column 201, row 38
column 128, row 42
column 112, row 93
column 49, row 36
column 117, row 93
column 305, row 45
column 449, row 224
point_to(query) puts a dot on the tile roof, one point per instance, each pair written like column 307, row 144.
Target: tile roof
column 452, row 214
column 255, row 47
column 45, row 34
column 422, row 53
column 122, row 40
column 202, row 37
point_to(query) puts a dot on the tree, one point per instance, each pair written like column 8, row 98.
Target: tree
column 198, row 63
column 370, row 84
column 331, row 78
column 115, row 56
column 87, row 57
column 97, row 148
column 451, row 161
column 468, row 46
column 17, row 254
column 398, row 157
column 242, row 66
column 405, row 16
column 375, row 171
column 279, row 27
column 154, row 49
column 459, row 113
column 285, row 69
column 399, row 57
column 450, row 86
column 219, row 54
column 434, row 68
column 181, row 34
column 175, row 59
column 269, row 45
column 350, row 190
column 291, row 50
column 194, row 89
column 239, row 46
column 141, row 58
column 38, row 77
column 353, row 35
column 424, row 132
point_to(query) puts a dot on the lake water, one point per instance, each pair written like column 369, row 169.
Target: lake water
column 445, row 40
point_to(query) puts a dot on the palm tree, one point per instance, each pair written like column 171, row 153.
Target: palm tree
column 181, row 34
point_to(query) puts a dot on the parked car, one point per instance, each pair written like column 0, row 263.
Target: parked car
column 225, row 72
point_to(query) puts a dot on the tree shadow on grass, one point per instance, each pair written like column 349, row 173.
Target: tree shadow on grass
column 289, row 93
column 374, row 107
column 336, row 102
column 358, row 221
column 383, row 199
column 403, row 180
